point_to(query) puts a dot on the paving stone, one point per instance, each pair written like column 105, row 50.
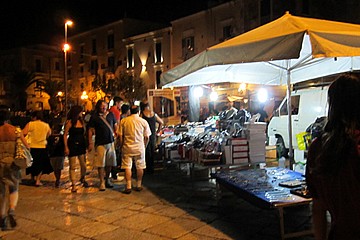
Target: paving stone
column 194, row 236
column 57, row 235
column 175, row 228
column 116, row 215
column 31, row 227
column 171, row 211
column 91, row 229
column 128, row 234
column 16, row 235
column 141, row 221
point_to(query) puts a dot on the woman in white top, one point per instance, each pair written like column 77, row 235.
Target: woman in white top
column 38, row 132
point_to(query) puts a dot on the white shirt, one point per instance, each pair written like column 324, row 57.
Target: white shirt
column 132, row 130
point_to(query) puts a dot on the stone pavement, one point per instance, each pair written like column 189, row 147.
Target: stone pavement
column 171, row 206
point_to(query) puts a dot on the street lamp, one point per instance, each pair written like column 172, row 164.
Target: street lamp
column 66, row 49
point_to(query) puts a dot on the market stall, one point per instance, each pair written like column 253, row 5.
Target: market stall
column 283, row 52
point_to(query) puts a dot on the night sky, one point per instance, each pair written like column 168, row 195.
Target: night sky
column 26, row 22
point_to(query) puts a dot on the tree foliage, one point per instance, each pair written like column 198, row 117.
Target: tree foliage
column 21, row 80
column 130, row 87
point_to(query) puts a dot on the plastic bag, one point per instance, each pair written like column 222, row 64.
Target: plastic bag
column 303, row 140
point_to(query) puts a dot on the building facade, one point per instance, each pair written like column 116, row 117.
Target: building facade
column 29, row 67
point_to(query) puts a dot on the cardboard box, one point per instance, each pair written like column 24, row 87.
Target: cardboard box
column 270, row 152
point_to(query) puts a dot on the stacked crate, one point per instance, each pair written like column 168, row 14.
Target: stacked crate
column 256, row 137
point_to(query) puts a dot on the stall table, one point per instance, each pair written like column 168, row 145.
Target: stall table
column 261, row 188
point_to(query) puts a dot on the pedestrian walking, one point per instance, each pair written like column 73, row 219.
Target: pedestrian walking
column 102, row 124
column 37, row 132
column 133, row 136
column 10, row 174
column 75, row 144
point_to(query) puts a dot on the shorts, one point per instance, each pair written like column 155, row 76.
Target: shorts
column 105, row 155
column 127, row 162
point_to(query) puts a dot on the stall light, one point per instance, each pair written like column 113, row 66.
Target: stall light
column 262, row 95
column 198, row 91
column 213, row 96
column 137, row 103
column 242, row 87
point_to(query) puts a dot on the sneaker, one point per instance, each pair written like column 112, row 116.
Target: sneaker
column 108, row 184
column 127, row 191
column 102, row 186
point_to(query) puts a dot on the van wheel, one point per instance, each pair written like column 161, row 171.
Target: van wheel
column 281, row 151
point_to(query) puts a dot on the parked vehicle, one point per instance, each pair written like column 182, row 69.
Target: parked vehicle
column 307, row 105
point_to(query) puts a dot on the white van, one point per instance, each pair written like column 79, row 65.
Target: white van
column 307, row 105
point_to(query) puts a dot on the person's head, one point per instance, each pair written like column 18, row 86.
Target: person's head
column 125, row 109
column 37, row 115
column 144, row 105
column 344, row 103
column 4, row 116
column 134, row 109
column 74, row 114
column 118, row 101
column 101, row 106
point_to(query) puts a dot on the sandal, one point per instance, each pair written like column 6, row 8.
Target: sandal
column 127, row 191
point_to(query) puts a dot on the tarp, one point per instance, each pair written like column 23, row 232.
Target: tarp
column 307, row 47
column 288, row 50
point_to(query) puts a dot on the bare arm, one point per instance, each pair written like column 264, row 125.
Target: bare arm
column 23, row 140
column 66, row 132
column 146, row 140
column 319, row 219
column 160, row 123
column 25, row 131
column 90, row 135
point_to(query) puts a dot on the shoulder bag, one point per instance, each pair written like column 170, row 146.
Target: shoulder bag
column 23, row 158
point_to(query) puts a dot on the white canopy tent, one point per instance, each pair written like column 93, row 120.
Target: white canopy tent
column 286, row 51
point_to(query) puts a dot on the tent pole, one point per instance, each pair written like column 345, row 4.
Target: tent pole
column 289, row 108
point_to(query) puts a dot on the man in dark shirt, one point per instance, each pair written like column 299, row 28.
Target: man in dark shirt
column 102, row 124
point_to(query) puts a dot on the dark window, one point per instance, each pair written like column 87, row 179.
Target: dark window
column 227, row 32
column 158, row 53
column 111, row 63
column 93, row 65
column 81, row 52
column 38, row 65
column 81, row 71
column 187, row 47
column 158, row 73
column 295, row 100
column 110, row 41
column 93, row 46
column 57, row 66
column 130, row 58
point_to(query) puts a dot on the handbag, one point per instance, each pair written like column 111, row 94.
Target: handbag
column 23, row 158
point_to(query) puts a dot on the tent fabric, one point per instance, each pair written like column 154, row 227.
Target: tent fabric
column 307, row 48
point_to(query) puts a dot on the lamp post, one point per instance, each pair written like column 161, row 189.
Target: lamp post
column 66, row 49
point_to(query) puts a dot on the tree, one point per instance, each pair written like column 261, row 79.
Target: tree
column 52, row 87
column 21, row 80
column 130, row 87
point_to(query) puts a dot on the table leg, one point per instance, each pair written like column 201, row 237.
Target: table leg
column 281, row 222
